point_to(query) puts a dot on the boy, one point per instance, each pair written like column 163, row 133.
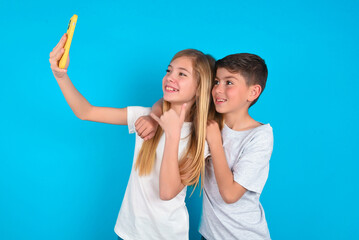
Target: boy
column 238, row 167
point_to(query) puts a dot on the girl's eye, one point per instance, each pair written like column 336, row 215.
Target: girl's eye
column 167, row 71
column 216, row 82
column 182, row 74
column 229, row 83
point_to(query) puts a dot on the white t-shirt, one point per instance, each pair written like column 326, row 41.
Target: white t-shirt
column 143, row 215
column 247, row 153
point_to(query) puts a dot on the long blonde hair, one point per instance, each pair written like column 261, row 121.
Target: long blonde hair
column 191, row 164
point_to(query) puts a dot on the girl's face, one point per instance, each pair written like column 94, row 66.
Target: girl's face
column 179, row 84
column 230, row 92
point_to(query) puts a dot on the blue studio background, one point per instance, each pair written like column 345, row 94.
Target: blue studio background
column 63, row 178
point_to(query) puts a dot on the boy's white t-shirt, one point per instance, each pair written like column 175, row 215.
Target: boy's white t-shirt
column 143, row 215
column 248, row 154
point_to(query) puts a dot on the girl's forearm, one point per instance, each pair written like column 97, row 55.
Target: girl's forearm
column 79, row 105
column 170, row 179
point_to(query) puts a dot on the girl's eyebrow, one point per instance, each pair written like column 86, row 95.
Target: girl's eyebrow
column 181, row 68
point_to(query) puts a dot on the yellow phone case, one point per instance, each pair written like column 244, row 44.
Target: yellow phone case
column 70, row 34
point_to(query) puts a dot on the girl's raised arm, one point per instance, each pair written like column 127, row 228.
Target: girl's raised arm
column 170, row 178
column 79, row 105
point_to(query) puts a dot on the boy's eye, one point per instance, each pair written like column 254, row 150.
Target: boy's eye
column 216, row 82
column 229, row 83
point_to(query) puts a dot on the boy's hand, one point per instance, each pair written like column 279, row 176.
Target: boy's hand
column 213, row 135
column 55, row 57
column 171, row 122
column 146, row 127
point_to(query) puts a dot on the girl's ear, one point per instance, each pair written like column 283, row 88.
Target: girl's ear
column 254, row 92
column 198, row 92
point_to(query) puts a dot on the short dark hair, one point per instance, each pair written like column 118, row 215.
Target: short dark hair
column 250, row 66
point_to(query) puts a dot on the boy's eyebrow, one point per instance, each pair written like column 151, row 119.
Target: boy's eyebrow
column 227, row 77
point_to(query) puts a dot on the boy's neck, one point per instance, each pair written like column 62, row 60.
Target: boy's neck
column 240, row 121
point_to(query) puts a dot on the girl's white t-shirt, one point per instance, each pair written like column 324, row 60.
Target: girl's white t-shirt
column 143, row 215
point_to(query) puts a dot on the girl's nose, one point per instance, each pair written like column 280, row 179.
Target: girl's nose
column 170, row 77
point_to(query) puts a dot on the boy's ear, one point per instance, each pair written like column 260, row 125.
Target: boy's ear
column 254, row 92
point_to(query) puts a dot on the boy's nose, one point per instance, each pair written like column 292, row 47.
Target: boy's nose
column 218, row 88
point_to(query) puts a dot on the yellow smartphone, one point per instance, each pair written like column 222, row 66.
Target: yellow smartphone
column 70, row 34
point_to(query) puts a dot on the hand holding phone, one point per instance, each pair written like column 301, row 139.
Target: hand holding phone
column 70, row 34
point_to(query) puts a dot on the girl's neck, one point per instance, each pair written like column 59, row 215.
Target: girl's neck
column 177, row 108
column 240, row 121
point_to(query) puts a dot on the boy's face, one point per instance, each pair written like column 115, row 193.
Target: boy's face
column 230, row 92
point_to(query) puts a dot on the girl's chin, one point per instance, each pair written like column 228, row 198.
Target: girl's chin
column 173, row 101
column 168, row 97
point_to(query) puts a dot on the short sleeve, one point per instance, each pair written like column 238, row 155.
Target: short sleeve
column 133, row 113
column 252, row 168
column 206, row 150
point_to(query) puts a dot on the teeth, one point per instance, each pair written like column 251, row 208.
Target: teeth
column 221, row 100
column 171, row 89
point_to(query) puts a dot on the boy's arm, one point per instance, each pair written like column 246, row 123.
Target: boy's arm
column 229, row 189
column 157, row 108
column 146, row 126
column 79, row 105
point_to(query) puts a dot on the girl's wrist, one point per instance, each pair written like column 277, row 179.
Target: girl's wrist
column 62, row 77
column 173, row 136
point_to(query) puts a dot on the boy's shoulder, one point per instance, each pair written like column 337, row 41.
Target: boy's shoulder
column 257, row 130
column 251, row 139
column 264, row 132
column 263, row 129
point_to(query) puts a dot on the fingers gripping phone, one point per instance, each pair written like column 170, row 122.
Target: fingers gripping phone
column 70, row 34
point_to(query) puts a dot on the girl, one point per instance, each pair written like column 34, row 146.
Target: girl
column 150, row 208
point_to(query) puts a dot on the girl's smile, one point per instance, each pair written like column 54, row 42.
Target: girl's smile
column 170, row 89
